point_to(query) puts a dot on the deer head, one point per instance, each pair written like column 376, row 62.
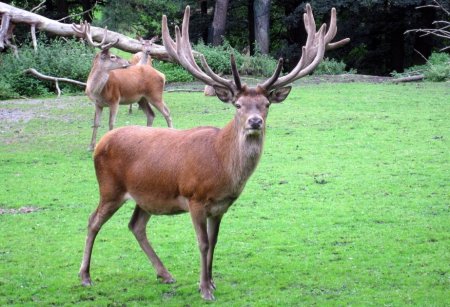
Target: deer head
column 252, row 104
column 104, row 59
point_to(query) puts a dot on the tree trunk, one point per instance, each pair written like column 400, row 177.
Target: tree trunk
column 262, row 18
column 219, row 22
column 18, row 16
column 251, row 27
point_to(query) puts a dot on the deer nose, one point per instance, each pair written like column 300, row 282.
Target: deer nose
column 255, row 122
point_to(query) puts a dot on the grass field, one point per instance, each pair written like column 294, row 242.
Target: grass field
column 350, row 205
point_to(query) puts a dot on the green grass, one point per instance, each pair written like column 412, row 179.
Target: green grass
column 349, row 205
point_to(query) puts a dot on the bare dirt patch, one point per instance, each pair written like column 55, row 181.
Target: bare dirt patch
column 22, row 210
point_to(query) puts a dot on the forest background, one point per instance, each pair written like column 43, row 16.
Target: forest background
column 377, row 28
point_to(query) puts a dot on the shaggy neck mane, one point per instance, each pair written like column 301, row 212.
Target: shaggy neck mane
column 96, row 81
column 242, row 154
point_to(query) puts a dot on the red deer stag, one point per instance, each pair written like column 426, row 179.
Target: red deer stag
column 201, row 170
column 108, row 86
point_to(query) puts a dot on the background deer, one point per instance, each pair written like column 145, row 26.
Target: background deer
column 108, row 86
column 201, row 170
column 143, row 57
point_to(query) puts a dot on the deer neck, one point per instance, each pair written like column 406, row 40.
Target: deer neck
column 240, row 153
column 96, row 81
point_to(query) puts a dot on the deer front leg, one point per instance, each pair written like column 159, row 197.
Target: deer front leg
column 198, row 216
column 213, row 233
column 97, row 117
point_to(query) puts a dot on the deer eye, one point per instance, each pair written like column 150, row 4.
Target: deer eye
column 237, row 105
column 113, row 57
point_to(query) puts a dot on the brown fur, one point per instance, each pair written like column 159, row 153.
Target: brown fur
column 202, row 171
column 109, row 86
column 136, row 58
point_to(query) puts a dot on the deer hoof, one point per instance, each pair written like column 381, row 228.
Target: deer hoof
column 86, row 282
column 207, row 295
column 166, row 279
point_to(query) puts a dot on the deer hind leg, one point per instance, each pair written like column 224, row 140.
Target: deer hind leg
column 147, row 111
column 100, row 216
column 161, row 106
column 97, row 117
column 137, row 225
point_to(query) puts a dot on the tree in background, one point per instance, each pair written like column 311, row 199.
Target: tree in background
column 376, row 27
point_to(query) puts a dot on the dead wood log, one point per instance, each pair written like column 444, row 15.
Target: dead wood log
column 409, row 79
column 11, row 15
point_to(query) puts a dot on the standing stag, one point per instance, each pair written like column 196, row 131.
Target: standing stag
column 201, row 170
column 112, row 81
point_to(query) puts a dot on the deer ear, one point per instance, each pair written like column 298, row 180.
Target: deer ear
column 223, row 93
column 279, row 94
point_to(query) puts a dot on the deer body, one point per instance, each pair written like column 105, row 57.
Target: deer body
column 202, row 170
column 110, row 86
column 162, row 184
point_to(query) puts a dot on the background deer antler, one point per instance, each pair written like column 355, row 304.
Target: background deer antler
column 84, row 29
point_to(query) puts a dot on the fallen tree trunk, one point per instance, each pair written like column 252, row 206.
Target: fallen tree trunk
column 409, row 79
column 11, row 15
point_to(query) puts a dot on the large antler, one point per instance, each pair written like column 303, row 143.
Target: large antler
column 85, row 30
column 181, row 51
column 312, row 52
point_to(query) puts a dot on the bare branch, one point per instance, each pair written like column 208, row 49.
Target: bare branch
column 37, row 74
column 442, row 25
column 78, row 14
column 38, row 7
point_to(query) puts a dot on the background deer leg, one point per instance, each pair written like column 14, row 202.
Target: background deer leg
column 143, row 103
column 104, row 211
column 213, row 232
column 97, row 117
column 161, row 106
column 198, row 216
column 137, row 225
column 113, row 109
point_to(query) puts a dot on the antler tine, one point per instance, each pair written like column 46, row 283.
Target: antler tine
column 313, row 51
column 182, row 52
column 80, row 29
column 269, row 82
column 91, row 41
column 180, row 57
column 234, row 70
column 168, row 42
column 227, row 83
column 188, row 53
column 85, row 30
